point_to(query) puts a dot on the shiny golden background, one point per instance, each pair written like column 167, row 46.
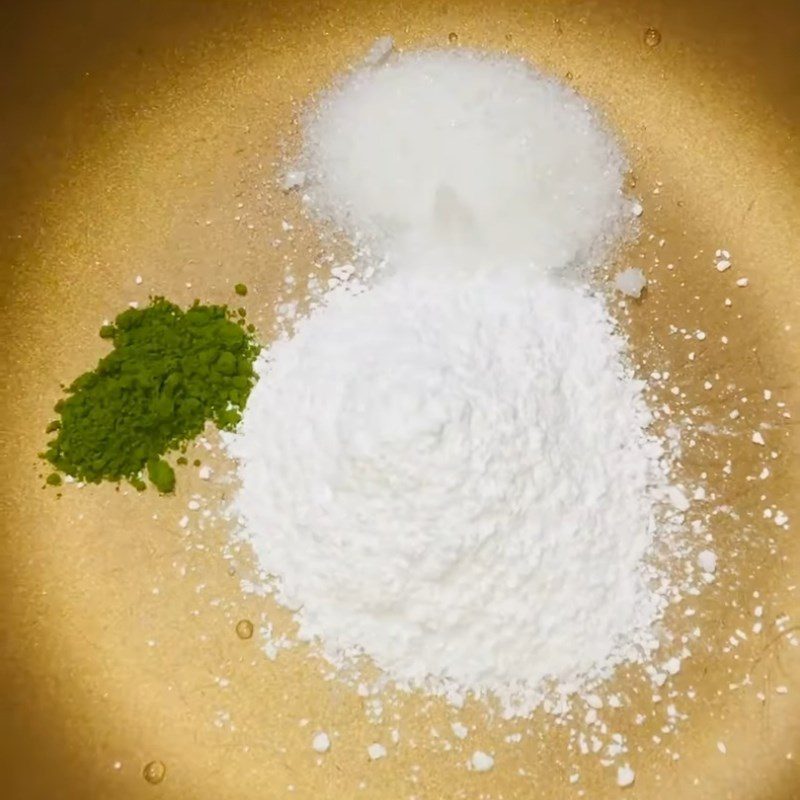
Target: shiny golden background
column 139, row 138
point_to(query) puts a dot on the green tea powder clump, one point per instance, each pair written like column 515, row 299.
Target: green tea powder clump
column 169, row 373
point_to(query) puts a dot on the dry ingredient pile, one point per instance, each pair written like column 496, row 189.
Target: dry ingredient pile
column 454, row 150
column 455, row 479
column 446, row 468
column 169, row 373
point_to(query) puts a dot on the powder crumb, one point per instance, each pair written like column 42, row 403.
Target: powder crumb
column 742, row 282
column 757, row 438
column 460, row 731
column 722, row 265
column 481, row 762
column 321, row 742
column 376, row 751
column 631, row 282
column 625, row 775
column 138, row 280
column 594, row 701
column 673, row 666
column 204, row 473
column 707, row 561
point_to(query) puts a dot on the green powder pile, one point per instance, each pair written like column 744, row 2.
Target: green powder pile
column 169, row 373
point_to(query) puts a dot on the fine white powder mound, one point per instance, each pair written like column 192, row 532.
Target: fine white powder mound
column 471, row 153
column 454, row 479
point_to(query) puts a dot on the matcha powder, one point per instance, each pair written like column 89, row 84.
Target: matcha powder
column 169, row 373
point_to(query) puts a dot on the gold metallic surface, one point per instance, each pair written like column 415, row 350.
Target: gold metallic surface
column 138, row 138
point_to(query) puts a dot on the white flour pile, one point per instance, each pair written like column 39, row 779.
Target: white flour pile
column 454, row 480
column 457, row 149
column 448, row 471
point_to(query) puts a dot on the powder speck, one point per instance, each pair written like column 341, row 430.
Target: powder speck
column 707, row 561
column 321, row 742
column 625, row 775
column 631, row 282
column 460, row 730
column 376, row 751
column 481, row 762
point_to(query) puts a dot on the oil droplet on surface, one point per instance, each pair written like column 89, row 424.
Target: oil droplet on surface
column 154, row 771
column 557, row 27
column 652, row 37
column 631, row 181
column 568, row 76
column 452, row 37
column 244, row 629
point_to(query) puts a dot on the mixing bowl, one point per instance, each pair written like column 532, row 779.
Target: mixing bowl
column 139, row 139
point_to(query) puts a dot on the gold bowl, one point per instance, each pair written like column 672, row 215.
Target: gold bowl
column 139, row 138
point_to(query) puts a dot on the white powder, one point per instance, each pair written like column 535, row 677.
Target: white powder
column 481, row 762
column 321, row 742
column 460, row 731
column 376, row 751
column 625, row 775
column 461, row 151
column 631, row 282
column 707, row 561
column 453, row 478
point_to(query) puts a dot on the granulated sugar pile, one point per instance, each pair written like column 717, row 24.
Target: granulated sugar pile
column 447, row 470
column 458, row 150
